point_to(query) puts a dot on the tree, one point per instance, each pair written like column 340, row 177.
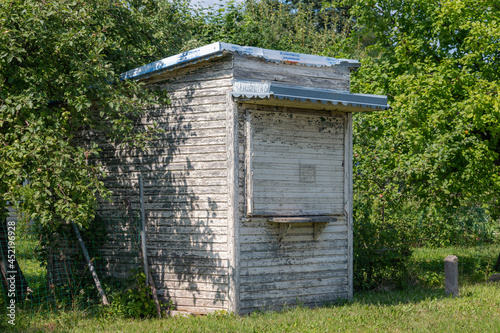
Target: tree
column 60, row 63
column 287, row 26
column 438, row 147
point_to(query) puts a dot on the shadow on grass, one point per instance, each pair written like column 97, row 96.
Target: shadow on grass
column 408, row 295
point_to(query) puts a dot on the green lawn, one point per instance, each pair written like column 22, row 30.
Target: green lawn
column 418, row 309
column 421, row 308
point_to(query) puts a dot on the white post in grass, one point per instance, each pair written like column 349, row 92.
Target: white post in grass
column 451, row 275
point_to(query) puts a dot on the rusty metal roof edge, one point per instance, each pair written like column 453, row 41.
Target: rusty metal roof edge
column 218, row 49
column 261, row 90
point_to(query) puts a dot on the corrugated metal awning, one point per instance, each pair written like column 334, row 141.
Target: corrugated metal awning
column 218, row 49
column 268, row 90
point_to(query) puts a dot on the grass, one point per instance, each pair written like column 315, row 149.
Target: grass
column 422, row 307
column 417, row 309
column 475, row 264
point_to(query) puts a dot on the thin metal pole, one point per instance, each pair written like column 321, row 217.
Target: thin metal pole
column 143, row 229
column 91, row 267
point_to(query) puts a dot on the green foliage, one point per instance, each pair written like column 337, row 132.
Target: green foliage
column 59, row 78
column 133, row 301
column 382, row 247
column 475, row 264
column 288, row 27
column 438, row 63
column 465, row 226
column 431, row 164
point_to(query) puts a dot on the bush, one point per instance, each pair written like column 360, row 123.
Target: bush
column 133, row 300
column 381, row 253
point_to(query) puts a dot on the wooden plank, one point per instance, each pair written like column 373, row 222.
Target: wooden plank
column 292, row 261
column 166, row 161
column 292, row 253
column 200, row 93
column 291, row 209
column 211, row 138
column 334, row 144
column 199, row 224
column 187, row 166
column 187, row 253
column 291, row 186
column 262, row 65
column 298, row 229
column 188, row 217
column 171, row 176
column 185, row 265
column 303, row 125
column 208, row 282
column 183, row 201
column 233, row 204
column 284, row 247
column 215, row 68
column 185, row 150
column 348, row 198
column 261, row 222
column 188, row 230
column 270, row 155
column 292, row 276
column 306, row 197
column 191, row 286
column 189, row 270
column 292, row 163
column 214, row 296
column 290, row 238
column 198, row 84
column 185, row 301
column 291, row 175
column 213, row 112
column 303, row 290
column 302, row 219
column 200, row 101
column 302, row 269
column 292, row 80
column 190, row 239
column 292, row 300
column 188, row 126
column 182, row 113
column 249, row 162
column 183, row 246
column 179, row 189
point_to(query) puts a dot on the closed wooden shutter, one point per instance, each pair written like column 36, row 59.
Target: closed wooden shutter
column 294, row 164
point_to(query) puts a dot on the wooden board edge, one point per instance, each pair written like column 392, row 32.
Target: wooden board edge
column 233, row 204
column 348, row 199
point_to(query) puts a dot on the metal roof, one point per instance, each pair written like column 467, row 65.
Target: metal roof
column 262, row 90
column 218, row 49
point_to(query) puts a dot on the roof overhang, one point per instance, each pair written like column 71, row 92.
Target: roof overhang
column 270, row 93
column 218, row 49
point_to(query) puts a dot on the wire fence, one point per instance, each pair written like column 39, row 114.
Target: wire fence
column 44, row 271
column 53, row 275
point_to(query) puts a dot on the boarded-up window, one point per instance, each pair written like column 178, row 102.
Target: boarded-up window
column 294, row 164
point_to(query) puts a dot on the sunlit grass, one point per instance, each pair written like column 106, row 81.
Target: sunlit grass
column 417, row 309
column 423, row 307
column 475, row 264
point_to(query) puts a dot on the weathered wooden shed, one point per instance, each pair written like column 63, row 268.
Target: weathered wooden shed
column 248, row 193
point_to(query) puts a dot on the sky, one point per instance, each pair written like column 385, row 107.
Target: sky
column 207, row 3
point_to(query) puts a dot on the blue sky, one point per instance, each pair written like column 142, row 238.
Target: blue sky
column 207, row 3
